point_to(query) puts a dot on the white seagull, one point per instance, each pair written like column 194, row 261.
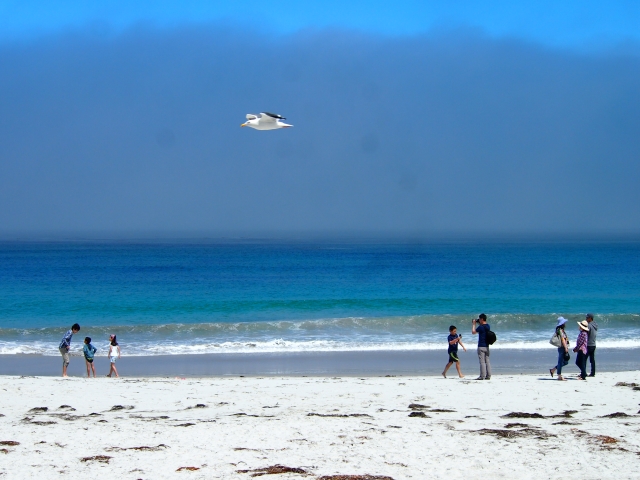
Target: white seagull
column 266, row 121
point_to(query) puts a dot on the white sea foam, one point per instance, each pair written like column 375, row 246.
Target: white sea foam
column 283, row 346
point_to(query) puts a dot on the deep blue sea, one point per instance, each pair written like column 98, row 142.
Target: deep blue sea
column 186, row 298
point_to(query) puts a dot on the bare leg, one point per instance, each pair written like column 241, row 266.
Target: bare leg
column 64, row 370
column 113, row 365
column 444, row 374
column 458, row 368
column 88, row 368
column 93, row 369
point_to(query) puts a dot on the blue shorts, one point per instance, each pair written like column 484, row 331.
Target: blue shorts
column 453, row 357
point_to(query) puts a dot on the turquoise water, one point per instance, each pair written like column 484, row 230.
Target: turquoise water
column 244, row 297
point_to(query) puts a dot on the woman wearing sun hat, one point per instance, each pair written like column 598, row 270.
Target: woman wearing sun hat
column 581, row 349
column 563, row 349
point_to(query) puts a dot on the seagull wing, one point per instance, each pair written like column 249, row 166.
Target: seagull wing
column 271, row 117
column 251, row 116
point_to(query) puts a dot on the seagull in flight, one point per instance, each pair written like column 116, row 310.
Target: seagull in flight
column 266, row 121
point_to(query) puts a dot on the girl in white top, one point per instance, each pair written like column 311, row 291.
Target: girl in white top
column 114, row 354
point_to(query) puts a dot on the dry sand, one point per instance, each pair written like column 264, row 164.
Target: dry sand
column 399, row 427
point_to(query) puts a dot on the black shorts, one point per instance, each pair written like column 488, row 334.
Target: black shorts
column 453, row 357
column 90, row 360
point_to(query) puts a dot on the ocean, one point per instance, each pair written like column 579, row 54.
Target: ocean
column 263, row 297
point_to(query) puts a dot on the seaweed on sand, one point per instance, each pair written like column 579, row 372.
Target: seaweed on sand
column 522, row 415
column 338, row 415
column 354, row 477
column 273, row 470
column 157, row 448
column 97, row 458
column 419, row 414
column 509, row 433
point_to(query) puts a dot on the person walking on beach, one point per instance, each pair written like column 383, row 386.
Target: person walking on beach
column 114, row 354
column 563, row 349
column 483, row 347
column 454, row 340
column 89, row 351
column 591, row 343
column 581, row 349
column 65, row 346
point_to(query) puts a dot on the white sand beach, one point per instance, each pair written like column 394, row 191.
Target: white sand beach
column 392, row 427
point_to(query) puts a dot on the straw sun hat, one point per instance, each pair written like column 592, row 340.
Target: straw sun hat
column 584, row 325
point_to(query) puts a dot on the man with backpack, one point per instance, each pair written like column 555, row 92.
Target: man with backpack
column 485, row 338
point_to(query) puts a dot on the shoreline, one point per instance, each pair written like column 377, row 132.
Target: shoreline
column 357, row 363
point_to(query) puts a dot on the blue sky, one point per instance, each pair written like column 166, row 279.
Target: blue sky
column 410, row 118
column 556, row 23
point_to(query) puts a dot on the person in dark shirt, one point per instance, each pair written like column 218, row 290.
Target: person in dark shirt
column 591, row 343
column 483, row 347
column 454, row 340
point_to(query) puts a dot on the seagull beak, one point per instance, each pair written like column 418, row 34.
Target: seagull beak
column 243, row 125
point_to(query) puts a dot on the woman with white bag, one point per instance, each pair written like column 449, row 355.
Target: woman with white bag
column 561, row 341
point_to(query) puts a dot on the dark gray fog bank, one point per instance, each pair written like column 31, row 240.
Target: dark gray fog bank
column 450, row 132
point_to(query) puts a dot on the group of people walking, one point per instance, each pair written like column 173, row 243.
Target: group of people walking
column 88, row 351
column 585, row 348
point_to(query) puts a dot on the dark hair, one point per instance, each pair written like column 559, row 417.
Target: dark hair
column 113, row 341
column 482, row 316
column 87, row 339
column 76, row 327
column 452, row 328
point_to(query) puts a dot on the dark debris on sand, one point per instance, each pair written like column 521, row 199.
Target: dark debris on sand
column 31, row 421
column 157, row 448
column 9, row 443
column 273, row 470
column 190, row 469
column 115, row 408
column 604, row 441
column 419, row 414
column 417, row 406
column 97, row 458
column 565, row 414
column 67, row 407
column 616, row 415
column 150, row 419
column 39, row 409
column 522, row 415
column 339, row 415
column 517, row 425
column 355, row 477
column 510, row 433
